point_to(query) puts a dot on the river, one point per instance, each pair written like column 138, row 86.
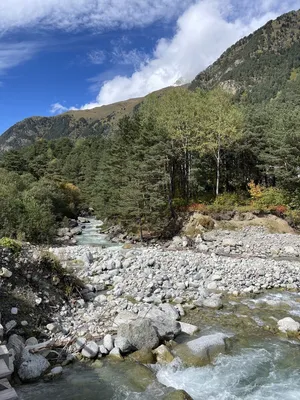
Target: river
column 261, row 365
column 91, row 237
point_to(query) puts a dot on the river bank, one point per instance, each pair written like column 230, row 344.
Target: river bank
column 170, row 285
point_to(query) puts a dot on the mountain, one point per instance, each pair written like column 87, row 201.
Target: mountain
column 257, row 67
column 72, row 124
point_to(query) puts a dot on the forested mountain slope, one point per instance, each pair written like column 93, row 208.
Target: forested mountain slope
column 73, row 124
column 258, row 66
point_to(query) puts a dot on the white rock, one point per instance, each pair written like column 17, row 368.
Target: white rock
column 108, row 342
column 10, row 325
column 229, row 242
column 115, row 353
column 290, row 251
column 5, row 273
column 213, row 302
column 212, row 286
column 188, row 328
column 103, row 349
column 288, row 325
column 14, row 311
column 31, row 341
column 90, row 349
column 56, row 371
column 53, row 328
column 101, row 298
column 80, row 342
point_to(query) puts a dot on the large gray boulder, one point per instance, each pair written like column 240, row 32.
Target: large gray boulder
column 32, row 366
column 17, row 344
column 124, row 317
column 203, row 349
column 165, row 323
column 139, row 333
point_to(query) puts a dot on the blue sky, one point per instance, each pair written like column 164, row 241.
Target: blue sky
column 57, row 55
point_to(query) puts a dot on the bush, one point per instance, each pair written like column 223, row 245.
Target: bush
column 229, row 201
column 197, row 207
column 272, row 197
column 11, row 244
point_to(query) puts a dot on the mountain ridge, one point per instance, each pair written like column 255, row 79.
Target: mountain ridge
column 255, row 70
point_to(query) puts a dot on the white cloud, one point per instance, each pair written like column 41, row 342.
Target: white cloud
column 134, row 57
column 57, row 108
column 88, row 14
column 203, row 32
column 13, row 54
column 97, row 57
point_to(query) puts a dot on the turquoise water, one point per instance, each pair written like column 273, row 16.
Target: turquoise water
column 91, row 237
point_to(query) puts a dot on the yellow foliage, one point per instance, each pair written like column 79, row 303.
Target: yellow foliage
column 70, row 187
column 294, row 74
column 254, row 190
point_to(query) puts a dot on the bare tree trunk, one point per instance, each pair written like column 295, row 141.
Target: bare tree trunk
column 218, row 167
column 141, row 230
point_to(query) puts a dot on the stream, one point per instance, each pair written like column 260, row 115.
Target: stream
column 261, row 366
column 91, row 237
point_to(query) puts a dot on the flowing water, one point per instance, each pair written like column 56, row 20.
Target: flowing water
column 91, row 237
column 261, row 366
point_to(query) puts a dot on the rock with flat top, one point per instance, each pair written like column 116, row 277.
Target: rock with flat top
column 189, row 329
column 288, row 325
column 139, row 333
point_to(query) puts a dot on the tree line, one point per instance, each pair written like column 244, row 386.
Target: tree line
column 178, row 148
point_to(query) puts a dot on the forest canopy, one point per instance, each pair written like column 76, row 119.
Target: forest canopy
column 179, row 148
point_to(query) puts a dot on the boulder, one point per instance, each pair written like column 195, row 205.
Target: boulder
column 143, row 356
column 188, row 328
column 178, row 395
column 90, row 350
column 80, row 342
column 108, row 342
column 5, row 273
column 124, row 317
column 31, row 341
column 139, row 333
column 201, row 351
column 32, row 366
column 170, row 310
column 103, row 350
column 62, row 232
column 10, row 325
column 163, row 355
column 16, row 343
column 213, row 302
column 288, row 325
column 123, row 344
column 115, row 354
column 165, row 323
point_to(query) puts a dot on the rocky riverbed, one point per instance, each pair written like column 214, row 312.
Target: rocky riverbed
column 134, row 298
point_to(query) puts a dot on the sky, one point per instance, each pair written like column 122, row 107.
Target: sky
column 57, row 55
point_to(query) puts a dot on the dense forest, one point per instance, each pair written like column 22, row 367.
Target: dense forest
column 180, row 150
